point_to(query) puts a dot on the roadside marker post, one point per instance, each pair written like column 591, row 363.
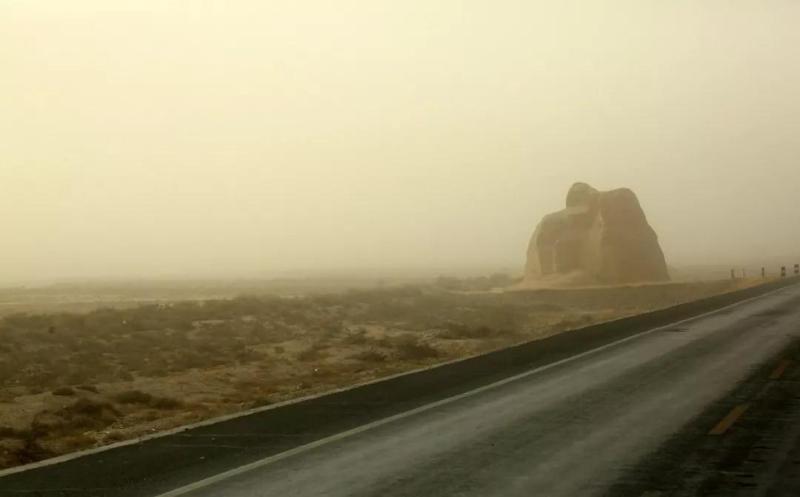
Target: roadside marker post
column 797, row 269
column 783, row 271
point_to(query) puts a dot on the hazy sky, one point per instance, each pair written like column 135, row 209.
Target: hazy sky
column 154, row 137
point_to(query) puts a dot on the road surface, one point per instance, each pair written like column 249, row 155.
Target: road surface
column 568, row 429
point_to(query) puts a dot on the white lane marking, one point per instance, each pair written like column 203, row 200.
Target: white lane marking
column 381, row 422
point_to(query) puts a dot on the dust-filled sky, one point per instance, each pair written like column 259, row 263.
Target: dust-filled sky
column 248, row 137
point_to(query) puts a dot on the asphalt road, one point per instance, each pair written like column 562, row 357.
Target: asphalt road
column 757, row 456
column 572, row 428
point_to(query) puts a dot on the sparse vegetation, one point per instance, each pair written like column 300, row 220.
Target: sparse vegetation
column 64, row 392
column 74, row 380
column 370, row 356
column 146, row 399
column 314, row 352
column 412, row 349
column 457, row 331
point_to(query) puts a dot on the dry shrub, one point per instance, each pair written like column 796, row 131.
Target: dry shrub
column 188, row 359
column 133, row 397
column 165, row 403
column 573, row 322
column 83, row 415
column 8, row 432
column 356, row 337
column 458, row 331
column 74, row 442
column 88, row 407
column 63, row 392
column 260, row 403
column 124, row 375
column 313, row 353
column 32, row 451
column 412, row 349
column 114, row 436
column 370, row 356
column 143, row 398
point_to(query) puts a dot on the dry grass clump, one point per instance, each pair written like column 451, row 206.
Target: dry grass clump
column 133, row 397
column 370, row 356
column 75, row 426
column 408, row 348
column 357, row 336
column 460, row 331
column 314, row 352
column 82, row 415
column 63, row 392
column 146, row 399
column 8, row 432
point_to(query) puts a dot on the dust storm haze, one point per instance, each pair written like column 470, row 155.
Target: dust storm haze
column 153, row 138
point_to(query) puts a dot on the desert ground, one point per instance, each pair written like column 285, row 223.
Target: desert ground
column 108, row 366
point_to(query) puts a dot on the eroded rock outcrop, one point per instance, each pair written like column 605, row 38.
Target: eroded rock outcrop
column 600, row 238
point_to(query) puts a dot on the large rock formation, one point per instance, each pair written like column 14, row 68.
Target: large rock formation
column 600, row 238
